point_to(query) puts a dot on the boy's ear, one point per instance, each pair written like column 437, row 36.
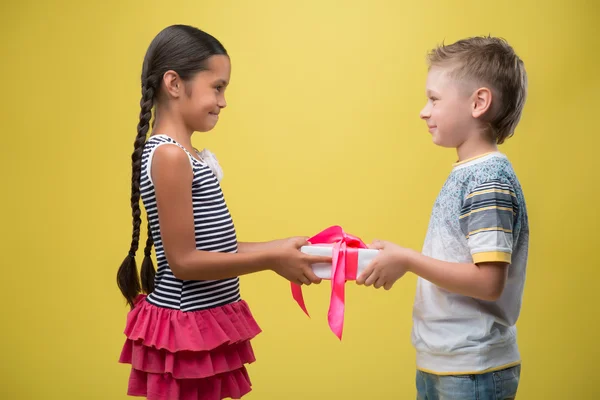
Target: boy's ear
column 482, row 102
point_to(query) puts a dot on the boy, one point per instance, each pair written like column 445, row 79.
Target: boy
column 472, row 268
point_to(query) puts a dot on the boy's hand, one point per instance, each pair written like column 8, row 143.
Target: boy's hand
column 389, row 265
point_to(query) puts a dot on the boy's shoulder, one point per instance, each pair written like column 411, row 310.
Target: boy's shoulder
column 494, row 167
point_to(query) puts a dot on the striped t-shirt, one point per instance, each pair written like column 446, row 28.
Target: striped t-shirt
column 214, row 231
column 479, row 216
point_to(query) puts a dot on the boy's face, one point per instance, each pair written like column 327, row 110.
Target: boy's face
column 448, row 112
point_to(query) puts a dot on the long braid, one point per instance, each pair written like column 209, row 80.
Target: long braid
column 148, row 271
column 127, row 277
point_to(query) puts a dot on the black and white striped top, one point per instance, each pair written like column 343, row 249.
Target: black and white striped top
column 214, row 230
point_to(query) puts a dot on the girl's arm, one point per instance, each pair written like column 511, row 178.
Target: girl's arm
column 172, row 177
column 250, row 247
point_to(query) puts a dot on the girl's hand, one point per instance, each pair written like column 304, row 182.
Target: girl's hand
column 293, row 265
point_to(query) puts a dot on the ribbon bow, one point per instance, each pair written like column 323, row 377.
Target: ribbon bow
column 344, row 267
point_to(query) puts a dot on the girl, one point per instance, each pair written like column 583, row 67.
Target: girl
column 189, row 338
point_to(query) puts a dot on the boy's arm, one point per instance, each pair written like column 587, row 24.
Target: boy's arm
column 486, row 220
column 484, row 281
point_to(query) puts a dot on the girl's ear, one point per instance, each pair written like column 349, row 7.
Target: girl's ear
column 173, row 84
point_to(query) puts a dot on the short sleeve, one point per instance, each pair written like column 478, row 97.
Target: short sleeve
column 487, row 218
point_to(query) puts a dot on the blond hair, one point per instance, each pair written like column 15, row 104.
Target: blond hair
column 491, row 62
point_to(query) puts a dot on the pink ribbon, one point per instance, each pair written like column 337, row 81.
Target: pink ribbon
column 344, row 267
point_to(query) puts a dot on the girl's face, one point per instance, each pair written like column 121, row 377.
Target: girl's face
column 204, row 95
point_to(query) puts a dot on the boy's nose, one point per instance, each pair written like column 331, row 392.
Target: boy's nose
column 424, row 114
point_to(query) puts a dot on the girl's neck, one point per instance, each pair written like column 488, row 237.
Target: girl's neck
column 175, row 129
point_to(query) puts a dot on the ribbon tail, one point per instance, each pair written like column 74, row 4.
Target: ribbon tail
column 335, row 316
column 297, row 295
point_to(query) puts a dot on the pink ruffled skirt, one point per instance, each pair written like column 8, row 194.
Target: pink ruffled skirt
column 196, row 355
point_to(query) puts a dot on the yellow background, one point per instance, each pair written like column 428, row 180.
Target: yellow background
column 322, row 128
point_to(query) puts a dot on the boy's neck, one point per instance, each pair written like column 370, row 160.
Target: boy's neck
column 475, row 148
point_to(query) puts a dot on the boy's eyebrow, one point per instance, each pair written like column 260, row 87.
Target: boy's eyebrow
column 430, row 92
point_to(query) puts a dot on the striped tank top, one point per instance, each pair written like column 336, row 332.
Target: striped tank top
column 214, row 231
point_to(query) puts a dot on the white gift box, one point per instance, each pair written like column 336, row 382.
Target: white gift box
column 323, row 270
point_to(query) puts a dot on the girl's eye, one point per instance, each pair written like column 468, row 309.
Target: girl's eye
column 219, row 88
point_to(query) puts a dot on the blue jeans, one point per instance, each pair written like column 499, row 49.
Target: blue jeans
column 497, row 385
